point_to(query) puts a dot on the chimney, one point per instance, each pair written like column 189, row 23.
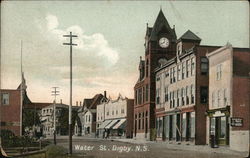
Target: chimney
column 105, row 94
column 76, row 103
column 61, row 101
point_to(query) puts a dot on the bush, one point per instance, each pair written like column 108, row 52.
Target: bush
column 152, row 134
column 10, row 140
column 53, row 151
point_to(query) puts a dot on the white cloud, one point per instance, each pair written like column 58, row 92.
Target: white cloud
column 96, row 44
column 52, row 22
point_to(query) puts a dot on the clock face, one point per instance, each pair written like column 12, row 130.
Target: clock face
column 164, row 42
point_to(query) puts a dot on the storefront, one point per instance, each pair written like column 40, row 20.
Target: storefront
column 176, row 126
column 219, row 126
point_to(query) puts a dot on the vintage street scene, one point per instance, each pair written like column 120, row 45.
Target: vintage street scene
column 141, row 79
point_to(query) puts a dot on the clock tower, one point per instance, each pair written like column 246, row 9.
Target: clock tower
column 160, row 45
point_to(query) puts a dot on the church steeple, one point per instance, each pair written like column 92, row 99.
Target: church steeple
column 161, row 24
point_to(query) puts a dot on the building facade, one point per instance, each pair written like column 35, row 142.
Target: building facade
column 229, row 90
column 11, row 104
column 87, row 114
column 115, row 118
column 182, row 92
column 47, row 119
column 160, row 45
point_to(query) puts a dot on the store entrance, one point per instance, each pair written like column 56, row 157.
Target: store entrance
column 220, row 130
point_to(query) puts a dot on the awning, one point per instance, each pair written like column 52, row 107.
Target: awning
column 111, row 124
column 105, row 123
column 120, row 124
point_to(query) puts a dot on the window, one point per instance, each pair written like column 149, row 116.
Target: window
column 174, row 75
column 166, row 93
column 122, row 111
column 116, row 112
column 89, row 118
column 219, row 97
column 187, row 67
column 107, row 113
column 171, row 102
column 174, row 96
column 5, row 99
column 158, row 96
column 143, row 94
column 218, row 71
column 192, row 94
column 140, row 96
column 183, row 70
column 147, row 68
column 187, row 95
column 204, row 65
column 147, row 88
column 178, row 96
column 179, row 72
column 192, row 66
column 139, row 127
column 203, row 94
column 171, row 75
column 183, row 95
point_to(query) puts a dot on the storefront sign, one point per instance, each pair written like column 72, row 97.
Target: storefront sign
column 236, row 122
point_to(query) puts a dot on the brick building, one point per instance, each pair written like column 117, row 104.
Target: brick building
column 182, row 92
column 144, row 89
column 229, row 100
column 10, row 110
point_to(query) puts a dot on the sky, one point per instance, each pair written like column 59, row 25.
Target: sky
column 110, row 41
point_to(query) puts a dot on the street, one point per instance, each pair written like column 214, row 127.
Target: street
column 98, row 148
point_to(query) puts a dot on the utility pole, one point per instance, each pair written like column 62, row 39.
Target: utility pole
column 54, row 93
column 70, row 100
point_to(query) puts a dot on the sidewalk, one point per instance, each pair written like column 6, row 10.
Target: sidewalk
column 185, row 146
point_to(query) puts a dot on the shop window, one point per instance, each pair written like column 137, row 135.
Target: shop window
column 5, row 98
column 204, row 65
column 203, row 94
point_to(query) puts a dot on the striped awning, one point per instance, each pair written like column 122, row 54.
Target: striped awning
column 112, row 124
column 120, row 124
column 105, row 123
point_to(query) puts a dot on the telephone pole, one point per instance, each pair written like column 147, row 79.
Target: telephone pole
column 70, row 100
column 54, row 93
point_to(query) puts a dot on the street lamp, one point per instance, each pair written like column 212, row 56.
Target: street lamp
column 70, row 102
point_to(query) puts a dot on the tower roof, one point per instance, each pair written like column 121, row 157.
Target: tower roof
column 160, row 23
column 189, row 35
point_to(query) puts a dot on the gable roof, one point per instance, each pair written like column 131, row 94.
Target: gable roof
column 159, row 24
column 189, row 35
column 92, row 103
